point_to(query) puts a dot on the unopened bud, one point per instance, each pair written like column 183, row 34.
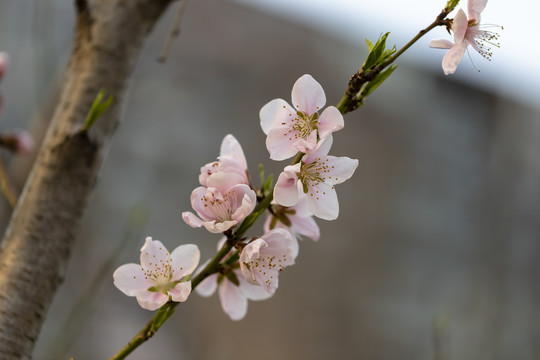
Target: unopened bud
column 451, row 5
column 19, row 142
column 4, row 61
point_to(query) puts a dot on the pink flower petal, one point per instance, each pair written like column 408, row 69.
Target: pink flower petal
column 191, row 219
column 232, row 148
column 340, row 169
column 323, row 148
column 152, row 300
column 441, row 44
column 208, row 286
column 330, row 120
column 274, row 113
column 322, row 201
column 286, row 189
column 184, row 260
column 475, row 7
column 453, row 57
column 131, row 280
column 306, row 226
column 252, row 292
column 281, row 142
column 307, row 95
column 460, row 26
column 153, row 254
column 233, row 302
column 181, row 291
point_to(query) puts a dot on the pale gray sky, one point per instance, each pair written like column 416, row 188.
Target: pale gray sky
column 513, row 71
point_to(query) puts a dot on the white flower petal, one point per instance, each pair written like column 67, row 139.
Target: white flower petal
column 307, row 95
column 152, row 300
column 153, row 254
column 184, row 260
column 330, row 120
column 218, row 227
column 233, row 302
column 286, row 189
column 281, row 143
column 231, row 147
column 130, row 279
column 306, row 226
column 459, row 26
column 274, row 113
column 441, row 44
column 253, row 292
column 322, row 201
column 453, row 57
column 323, row 148
column 181, row 291
column 340, row 169
column 191, row 219
column 475, row 7
column 208, row 286
column 307, row 144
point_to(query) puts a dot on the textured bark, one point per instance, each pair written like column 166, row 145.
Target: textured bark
column 37, row 245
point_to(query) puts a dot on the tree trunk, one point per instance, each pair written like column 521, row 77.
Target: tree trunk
column 37, row 244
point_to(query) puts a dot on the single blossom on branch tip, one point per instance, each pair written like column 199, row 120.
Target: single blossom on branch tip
column 467, row 32
column 298, row 128
column 233, row 289
column 263, row 258
column 314, row 177
column 161, row 276
column 230, row 169
column 219, row 211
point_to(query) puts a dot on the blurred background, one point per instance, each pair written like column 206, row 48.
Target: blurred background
column 436, row 253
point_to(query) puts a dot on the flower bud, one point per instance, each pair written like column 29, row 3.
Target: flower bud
column 4, row 60
column 19, row 142
column 451, row 5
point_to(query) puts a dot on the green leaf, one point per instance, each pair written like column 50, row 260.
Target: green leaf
column 369, row 44
column 379, row 79
column 97, row 109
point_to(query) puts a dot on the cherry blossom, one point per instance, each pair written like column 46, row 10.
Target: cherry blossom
column 263, row 258
column 297, row 219
column 18, row 141
column 4, row 61
column 220, row 211
column 161, row 276
column 233, row 294
column 315, row 176
column 298, row 128
column 466, row 32
column 229, row 170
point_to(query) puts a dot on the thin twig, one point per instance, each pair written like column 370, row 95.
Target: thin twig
column 175, row 31
column 6, row 186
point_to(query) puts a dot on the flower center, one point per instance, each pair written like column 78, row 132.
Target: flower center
column 160, row 272
column 482, row 40
column 303, row 124
column 223, row 207
column 313, row 173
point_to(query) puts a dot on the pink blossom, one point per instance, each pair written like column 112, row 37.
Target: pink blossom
column 298, row 128
column 229, row 170
column 4, row 61
column 263, row 258
column 219, row 211
column 315, row 176
column 466, row 32
column 161, row 276
column 19, row 141
column 297, row 219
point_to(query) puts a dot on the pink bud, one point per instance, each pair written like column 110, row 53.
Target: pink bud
column 18, row 141
column 4, row 61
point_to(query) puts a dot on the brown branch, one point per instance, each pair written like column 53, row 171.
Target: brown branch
column 36, row 247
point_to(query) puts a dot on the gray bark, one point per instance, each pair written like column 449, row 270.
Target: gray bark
column 37, row 244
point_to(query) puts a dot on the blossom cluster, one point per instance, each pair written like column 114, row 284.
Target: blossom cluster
column 225, row 197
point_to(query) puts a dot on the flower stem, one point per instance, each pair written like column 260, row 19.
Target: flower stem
column 168, row 309
column 6, row 186
column 354, row 98
column 211, row 268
